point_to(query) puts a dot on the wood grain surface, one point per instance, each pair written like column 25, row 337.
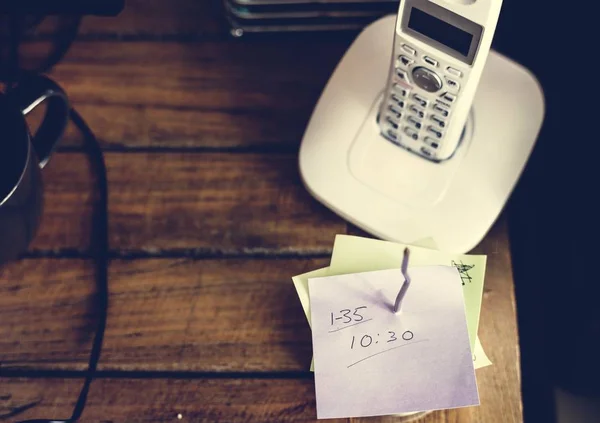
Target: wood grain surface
column 208, row 222
column 203, row 315
column 198, row 94
column 188, row 202
column 201, row 400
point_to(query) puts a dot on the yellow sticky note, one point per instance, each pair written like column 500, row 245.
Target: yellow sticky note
column 354, row 254
column 480, row 359
column 301, row 285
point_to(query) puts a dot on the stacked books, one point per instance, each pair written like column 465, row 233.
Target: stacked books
column 304, row 15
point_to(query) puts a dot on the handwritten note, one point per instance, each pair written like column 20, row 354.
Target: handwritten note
column 352, row 254
column 370, row 361
column 480, row 359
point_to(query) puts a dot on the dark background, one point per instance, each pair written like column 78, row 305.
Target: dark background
column 554, row 209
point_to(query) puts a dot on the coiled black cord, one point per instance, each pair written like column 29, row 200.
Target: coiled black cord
column 99, row 233
column 101, row 256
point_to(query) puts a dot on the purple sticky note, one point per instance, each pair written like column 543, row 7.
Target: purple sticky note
column 370, row 361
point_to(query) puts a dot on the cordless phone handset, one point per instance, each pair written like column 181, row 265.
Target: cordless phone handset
column 440, row 49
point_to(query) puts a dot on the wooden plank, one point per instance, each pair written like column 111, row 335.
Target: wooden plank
column 188, row 202
column 201, row 400
column 198, row 94
column 203, row 315
column 498, row 329
column 165, row 314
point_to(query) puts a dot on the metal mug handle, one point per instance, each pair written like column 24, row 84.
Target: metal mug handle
column 33, row 90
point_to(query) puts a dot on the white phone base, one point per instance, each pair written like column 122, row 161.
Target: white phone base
column 392, row 193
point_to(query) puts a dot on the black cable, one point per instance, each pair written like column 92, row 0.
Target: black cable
column 100, row 250
column 99, row 245
column 63, row 42
column 99, row 233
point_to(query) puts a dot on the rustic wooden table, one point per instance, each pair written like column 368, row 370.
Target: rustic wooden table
column 208, row 222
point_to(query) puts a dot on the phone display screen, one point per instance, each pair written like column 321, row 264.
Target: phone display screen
column 440, row 31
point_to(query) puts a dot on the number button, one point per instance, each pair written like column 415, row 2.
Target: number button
column 402, row 75
column 441, row 109
column 453, row 71
column 433, row 143
column 405, row 60
column 434, row 131
column 448, row 97
column 414, row 122
column 417, row 111
column 400, row 90
column 452, row 84
column 391, row 122
column 440, row 122
column 408, row 49
column 398, row 101
column 426, row 152
column 395, row 111
column 430, row 61
column 392, row 135
column 411, row 133
column 420, row 100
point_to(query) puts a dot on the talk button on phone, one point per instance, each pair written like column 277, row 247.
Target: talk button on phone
column 426, row 79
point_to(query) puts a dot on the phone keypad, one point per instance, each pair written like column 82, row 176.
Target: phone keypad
column 420, row 102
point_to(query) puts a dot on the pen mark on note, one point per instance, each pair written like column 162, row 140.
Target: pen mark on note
column 348, row 326
column 384, row 351
column 463, row 271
